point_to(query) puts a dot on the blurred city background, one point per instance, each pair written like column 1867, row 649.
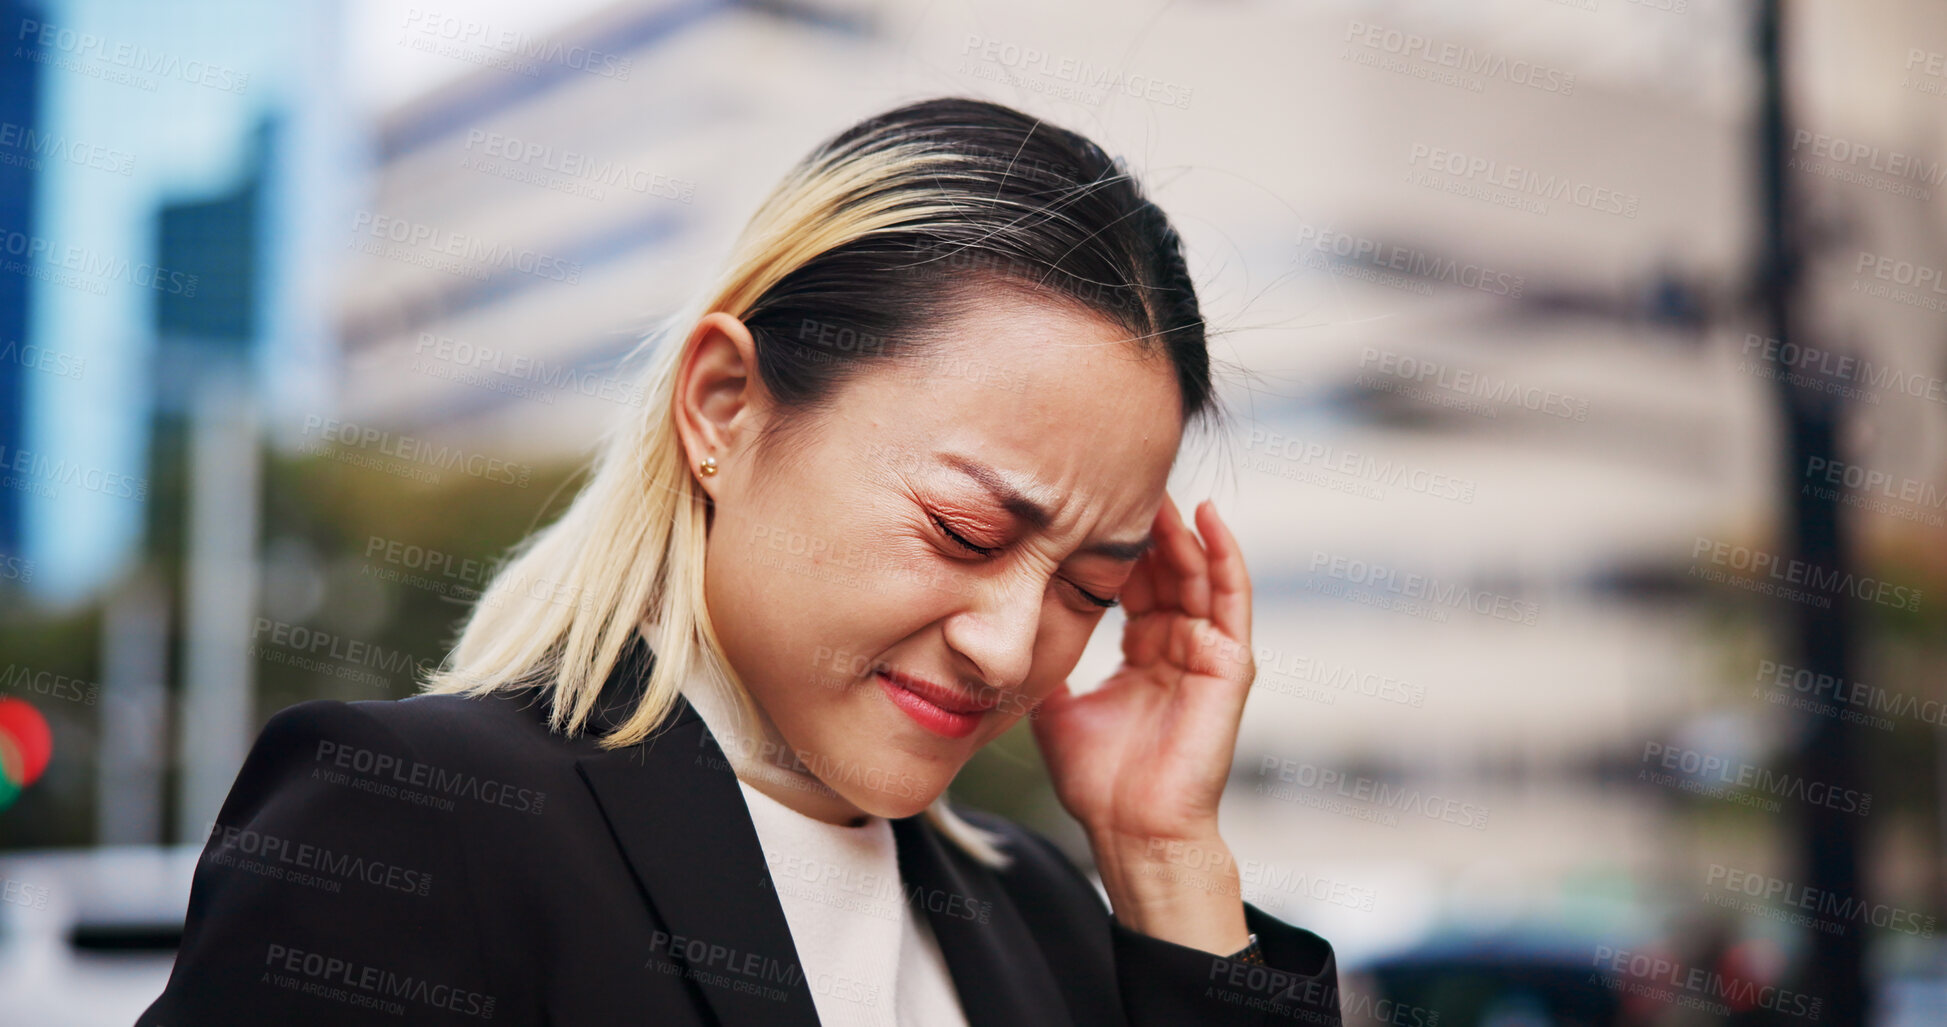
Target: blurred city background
column 1587, row 362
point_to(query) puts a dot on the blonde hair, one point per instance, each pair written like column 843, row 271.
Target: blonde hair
column 905, row 196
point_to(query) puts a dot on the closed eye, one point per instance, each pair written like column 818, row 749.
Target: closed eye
column 960, row 540
column 1092, row 597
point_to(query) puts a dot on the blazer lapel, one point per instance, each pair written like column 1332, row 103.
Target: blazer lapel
column 674, row 807
column 996, row 964
column 675, row 810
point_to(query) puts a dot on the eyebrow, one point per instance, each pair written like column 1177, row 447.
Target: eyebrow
column 1017, row 502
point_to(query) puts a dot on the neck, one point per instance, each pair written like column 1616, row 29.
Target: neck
column 746, row 744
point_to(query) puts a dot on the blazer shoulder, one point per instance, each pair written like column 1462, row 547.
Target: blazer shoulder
column 325, row 854
column 509, row 727
column 505, row 714
column 434, row 753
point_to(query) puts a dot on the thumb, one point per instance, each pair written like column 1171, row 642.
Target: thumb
column 1050, row 707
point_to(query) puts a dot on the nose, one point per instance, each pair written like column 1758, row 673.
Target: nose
column 997, row 625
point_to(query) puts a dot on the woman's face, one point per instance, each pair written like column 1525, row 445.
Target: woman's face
column 905, row 580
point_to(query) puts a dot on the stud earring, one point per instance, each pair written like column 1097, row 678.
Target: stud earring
column 709, row 466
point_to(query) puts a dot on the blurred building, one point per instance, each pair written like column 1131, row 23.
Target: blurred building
column 175, row 167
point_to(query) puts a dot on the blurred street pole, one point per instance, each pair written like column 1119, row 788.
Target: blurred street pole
column 221, row 595
column 1829, row 840
column 134, row 714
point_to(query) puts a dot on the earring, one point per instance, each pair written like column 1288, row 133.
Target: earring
column 709, row 466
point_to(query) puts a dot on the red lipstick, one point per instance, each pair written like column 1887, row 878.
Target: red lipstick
column 937, row 708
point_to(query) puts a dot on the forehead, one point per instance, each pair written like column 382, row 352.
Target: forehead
column 1037, row 388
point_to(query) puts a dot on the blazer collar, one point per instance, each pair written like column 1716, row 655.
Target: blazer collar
column 996, row 964
column 673, row 806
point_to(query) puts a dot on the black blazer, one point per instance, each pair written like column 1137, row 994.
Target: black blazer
column 439, row 860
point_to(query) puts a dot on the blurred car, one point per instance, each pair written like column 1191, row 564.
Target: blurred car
column 87, row 936
column 1526, row 981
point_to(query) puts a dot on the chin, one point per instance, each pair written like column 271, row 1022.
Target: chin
column 899, row 802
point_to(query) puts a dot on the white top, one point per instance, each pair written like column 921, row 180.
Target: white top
column 868, row 958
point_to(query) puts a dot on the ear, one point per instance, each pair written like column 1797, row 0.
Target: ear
column 718, row 396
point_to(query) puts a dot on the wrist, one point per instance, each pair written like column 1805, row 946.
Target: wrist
column 1180, row 889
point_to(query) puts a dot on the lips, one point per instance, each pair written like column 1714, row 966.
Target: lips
column 951, row 700
column 937, row 708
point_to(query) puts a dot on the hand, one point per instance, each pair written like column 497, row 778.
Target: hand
column 1141, row 761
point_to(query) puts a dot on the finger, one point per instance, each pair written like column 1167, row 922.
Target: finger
column 1146, row 639
column 1139, row 592
column 1057, row 697
column 1230, row 580
column 1190, row 564
column 1162, row 572
column 1200, row 648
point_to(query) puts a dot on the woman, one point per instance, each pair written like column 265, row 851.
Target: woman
column 904, row 455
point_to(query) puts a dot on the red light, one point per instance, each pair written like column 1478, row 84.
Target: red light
column 26, row 743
